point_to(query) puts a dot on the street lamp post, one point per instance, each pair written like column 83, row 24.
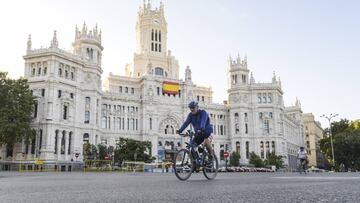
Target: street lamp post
column 332, row 146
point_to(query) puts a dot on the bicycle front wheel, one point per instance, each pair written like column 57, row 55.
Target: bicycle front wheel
column 184, row 164
column 210, row 167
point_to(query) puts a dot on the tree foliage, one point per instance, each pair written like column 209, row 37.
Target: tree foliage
column 90, row 151
column 256, row 160
column 234, row 159
column 131, row 150
column 274, row 160
column 16, row 106
column 346, row 143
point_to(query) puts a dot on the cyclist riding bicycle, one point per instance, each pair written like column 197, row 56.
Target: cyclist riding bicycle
column 201, row 123
column 302, row 155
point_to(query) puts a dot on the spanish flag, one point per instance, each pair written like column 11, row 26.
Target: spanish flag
column 170, row 87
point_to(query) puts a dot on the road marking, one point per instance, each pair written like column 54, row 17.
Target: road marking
column 319, row 178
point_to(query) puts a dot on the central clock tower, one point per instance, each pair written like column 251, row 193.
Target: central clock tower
column 151, row 56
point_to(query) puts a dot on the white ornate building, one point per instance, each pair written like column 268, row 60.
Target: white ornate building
column 72, row 108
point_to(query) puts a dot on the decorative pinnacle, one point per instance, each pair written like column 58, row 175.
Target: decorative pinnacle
column 54, row 41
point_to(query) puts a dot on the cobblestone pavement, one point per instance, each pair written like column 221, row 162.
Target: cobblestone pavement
column 157, row 187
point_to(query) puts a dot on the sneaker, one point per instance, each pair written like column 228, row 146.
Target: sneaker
column 210, row 161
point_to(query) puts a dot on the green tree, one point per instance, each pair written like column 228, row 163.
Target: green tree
column 346, row 143
column 234, row 159
column 129, row 150
column 90, row 151
column 16, row 107
column 256, row 160
column 274, row 160
column 103, row 151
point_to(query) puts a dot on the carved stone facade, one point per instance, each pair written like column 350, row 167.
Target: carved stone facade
column 72, row 108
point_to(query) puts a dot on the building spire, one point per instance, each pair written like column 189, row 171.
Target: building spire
column 54, row 41
column 29, row 43
column 252, row 79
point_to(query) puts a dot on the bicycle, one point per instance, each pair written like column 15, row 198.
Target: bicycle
column 188, row 160
column 302, row 165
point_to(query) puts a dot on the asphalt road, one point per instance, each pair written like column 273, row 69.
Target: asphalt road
column 157, row 187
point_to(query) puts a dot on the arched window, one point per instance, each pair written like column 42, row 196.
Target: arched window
column 33, row 72
column 156, row 47
column 273, row 146
column 166, row 129
column 159, row 36
column 159, row 71
column 56, row 141
column 63, row 142
column 236, row 117
column 238, row 147
column 86, row 138
column 152, row 34
column 262, row 149
column 69, row 147
column 159, row 47
column 155, row 35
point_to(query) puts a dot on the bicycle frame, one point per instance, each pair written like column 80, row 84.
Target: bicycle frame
column 191, row 147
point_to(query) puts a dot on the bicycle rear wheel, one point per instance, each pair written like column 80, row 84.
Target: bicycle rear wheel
column 184, row 164
column 210, row 168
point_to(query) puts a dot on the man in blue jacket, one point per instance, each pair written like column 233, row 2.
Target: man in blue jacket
column 201, row 123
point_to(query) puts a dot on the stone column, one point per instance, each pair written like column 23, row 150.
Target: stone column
column 57, row 157
column 66, row 145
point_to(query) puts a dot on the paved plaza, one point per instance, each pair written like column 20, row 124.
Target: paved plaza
column 157, row 187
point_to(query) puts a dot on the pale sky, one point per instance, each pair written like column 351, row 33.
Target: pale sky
column 314, row 46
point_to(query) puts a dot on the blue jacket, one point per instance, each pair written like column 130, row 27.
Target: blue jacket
column 199, row 121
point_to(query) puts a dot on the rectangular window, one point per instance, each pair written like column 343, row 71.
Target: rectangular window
column 43, row 92
column 35, row 109
column 198, row 98
column 158, row 90
column 87, row 102
column 87, row 117
column 65, row 112
column 247, row 150
column 246, row 128
column 126, row 90
column 132, row 91
column 202, row 98
column 59, row 93
column 72, row 75
column 72, row 95
column 69, row 145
